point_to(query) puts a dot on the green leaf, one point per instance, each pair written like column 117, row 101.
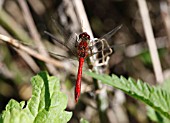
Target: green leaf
column 156, row 98
column 156, row 117
column 47, row 104
column 83, row 121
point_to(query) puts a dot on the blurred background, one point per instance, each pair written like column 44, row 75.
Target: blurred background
column 26, row 21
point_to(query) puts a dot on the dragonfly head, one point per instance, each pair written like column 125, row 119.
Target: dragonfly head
column 84, row 36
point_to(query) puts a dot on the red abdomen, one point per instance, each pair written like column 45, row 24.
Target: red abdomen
column 78, row 81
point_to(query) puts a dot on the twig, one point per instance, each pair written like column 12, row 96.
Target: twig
column 150, row 40
column 28, row 59
column 166, row 18
column 14, row 28
column 38, row 6
column 1, row 3
column 33, row 53
column 102, row 99
column 24, row 55
column 67, row 10
column 4, row 71
column 83, row 17
column 34, row 32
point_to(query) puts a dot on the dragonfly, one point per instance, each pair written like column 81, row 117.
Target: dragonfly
column 84, row 48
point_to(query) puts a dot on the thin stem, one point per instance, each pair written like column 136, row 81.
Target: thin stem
column 150, row 40
column 27, row 58
column 34, row 33
column 166, row 18
column 102, row 100
column 33, row 53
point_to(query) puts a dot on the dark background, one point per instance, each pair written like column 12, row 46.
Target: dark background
column 103, row 15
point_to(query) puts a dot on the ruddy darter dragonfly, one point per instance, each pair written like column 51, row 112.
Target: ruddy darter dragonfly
column 84, row 47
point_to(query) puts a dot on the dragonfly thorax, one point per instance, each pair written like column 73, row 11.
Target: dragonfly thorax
column 83, row 49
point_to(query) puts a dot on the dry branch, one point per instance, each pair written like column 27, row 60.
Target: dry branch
column 150, row 40
column 35, row 54
column 34, row 33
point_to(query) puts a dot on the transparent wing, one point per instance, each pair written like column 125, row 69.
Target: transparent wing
column 65, row 37
column 108, row 35
column 67, row 45
column 106, row 47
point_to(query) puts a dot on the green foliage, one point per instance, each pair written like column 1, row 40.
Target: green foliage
column 46, row 105
column 83, row 121
column 154, row 115
column 156, row 98
column 146, row 57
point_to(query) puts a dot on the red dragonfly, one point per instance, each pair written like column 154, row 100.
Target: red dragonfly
column 84, row 48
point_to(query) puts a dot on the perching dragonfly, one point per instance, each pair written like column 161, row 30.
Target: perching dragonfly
column 84, row 48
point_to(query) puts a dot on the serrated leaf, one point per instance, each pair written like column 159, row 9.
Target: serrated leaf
column 47, row 104
column 156, row 98
column 156, row 117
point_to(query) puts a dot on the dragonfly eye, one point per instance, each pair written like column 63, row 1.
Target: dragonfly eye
column 88, row 37
column 84, row 35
